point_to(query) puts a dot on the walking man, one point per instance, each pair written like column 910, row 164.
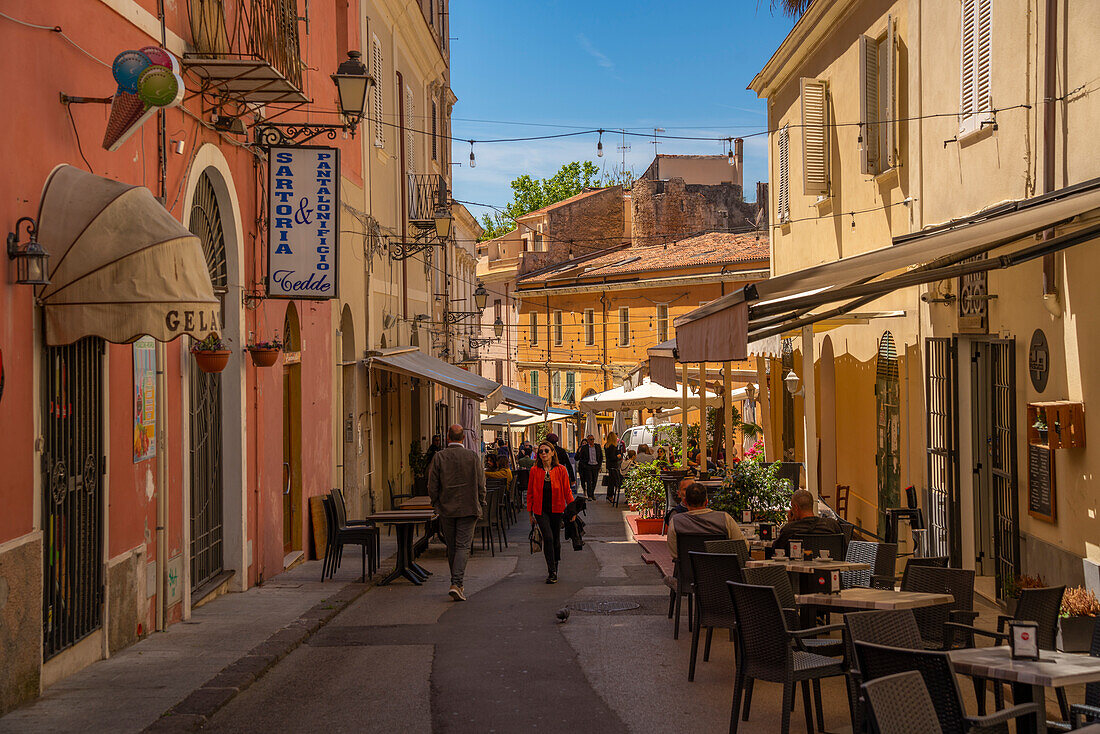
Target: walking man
column 589, row 458
column 456, row 486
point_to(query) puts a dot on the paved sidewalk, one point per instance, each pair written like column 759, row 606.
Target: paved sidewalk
column 196, row 666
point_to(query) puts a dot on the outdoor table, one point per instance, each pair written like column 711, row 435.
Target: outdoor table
column 874, row 599
column 1029, row 678
column 404, row 522
column 810, row 566
column 420, row 502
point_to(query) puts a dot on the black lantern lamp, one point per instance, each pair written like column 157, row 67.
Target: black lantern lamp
column 352, row 83
column 481, row 296
column 442, row 216
column 30, row 261
column 498, row 328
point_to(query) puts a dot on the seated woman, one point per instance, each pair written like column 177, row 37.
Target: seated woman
column 628, row 463
column 494, row 471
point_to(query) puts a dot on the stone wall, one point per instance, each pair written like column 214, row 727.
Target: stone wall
column 127, row 601
column 579, row 228
column 20, row 622
column 667, row 210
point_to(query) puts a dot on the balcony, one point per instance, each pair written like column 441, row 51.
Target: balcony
column 246, row 50
column 425, row 193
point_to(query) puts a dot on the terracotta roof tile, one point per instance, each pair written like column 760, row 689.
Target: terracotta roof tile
column 712, row 248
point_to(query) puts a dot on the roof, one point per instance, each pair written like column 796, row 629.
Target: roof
column 563, row 202
column 712, row 248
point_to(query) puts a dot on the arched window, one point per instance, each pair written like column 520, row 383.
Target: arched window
column 887, row 427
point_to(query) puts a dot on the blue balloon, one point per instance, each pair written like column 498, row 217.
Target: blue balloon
column 128, row 67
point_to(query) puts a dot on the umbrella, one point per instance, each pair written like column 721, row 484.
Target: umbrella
column 471, row 424
column 590, row 426
column 646, row 396
column 618, row 425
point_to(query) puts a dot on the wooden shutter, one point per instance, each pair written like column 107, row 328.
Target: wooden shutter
column 815, row 148
column 783, row 201
column 410, row 126
column 983, row 56
column 868, row 105
column 966, row 61
column 379, row 126
column 889, row 106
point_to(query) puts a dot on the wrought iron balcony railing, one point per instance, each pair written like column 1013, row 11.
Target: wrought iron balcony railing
column 427, row 192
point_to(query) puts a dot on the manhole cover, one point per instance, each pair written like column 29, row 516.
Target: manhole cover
column 604, row 607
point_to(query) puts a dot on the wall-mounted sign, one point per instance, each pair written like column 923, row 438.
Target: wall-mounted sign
column 1038, row 360
column 303, row 222
column 1041, row 484
column 145, row 399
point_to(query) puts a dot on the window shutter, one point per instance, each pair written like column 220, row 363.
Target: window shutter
column 868, row 104
column 983, row 55
column 815, row 151
column 966, row 62
column 889, row 105
column 783, row 201
column 379, row 127
column 410, row 126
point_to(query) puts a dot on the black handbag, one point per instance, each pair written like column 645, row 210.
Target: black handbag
column 606, row 481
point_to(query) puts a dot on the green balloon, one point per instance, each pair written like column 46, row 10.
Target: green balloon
column 157, row 86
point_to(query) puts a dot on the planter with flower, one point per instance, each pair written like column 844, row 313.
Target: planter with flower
column 211, row 354
column 645, row 494
column 265, row 353
column 751, row 485
column 1011, row 586
column 1077, row 620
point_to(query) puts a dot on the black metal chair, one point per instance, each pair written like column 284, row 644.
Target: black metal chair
column 342, row 520
column 900, row 704
column 769, row 650
column 933, row 620
column 489, row 520
column 682, row 582
column 340, row 535
column 738, row 547
column 880, row 556
column 713, row 607
column 879, row 661
column 778, row 578
column 894, row 627
column 395, row 496
column 937, row 561
column 1082, row 713
column 834, row 543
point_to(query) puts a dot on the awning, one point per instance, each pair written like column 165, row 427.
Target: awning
column 121, row 266
column 647, row 396
column 662, row 364
column 720, row 330
column 523, row 400
column 414, row 363
column 522, row 418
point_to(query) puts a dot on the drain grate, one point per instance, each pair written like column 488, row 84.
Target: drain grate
column 604, row 607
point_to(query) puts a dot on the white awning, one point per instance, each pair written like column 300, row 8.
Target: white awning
column 121, row 266
column 410, row 361
column 647, row 396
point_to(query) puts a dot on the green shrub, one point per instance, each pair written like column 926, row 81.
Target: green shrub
column 750, row 485
column 644, row 490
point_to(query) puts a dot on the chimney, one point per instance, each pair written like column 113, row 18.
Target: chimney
column 739, row 162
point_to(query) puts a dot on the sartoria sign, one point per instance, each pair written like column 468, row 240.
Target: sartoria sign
column 303, row 222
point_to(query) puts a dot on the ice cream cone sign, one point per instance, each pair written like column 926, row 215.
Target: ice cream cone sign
column 148, row 80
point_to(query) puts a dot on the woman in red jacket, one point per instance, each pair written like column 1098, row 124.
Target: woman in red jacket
column 548, row 492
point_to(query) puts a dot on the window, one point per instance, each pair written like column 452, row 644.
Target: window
column 534, row 328
column 410, row 127
column 624, row 326
column 815, row 137
column 435, row 133
column 662, row 322
column 976, row 53
column 500, row 371
column 555, row 386
column 783, row 201
column 534, row 382
column 589, row 326
column 379, row 128
column 877, row 103
column 570, row 395
column 559, row 332
column 538, row 242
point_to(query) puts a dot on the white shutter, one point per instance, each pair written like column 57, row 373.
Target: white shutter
column 783, row 201
column 889, row 106
column 868, row 104
column 379, row 83
column 966, row 60
column 410, row 126
column 815, row 148
column 983, row 56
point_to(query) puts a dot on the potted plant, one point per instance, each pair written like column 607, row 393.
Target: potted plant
column 645, row 494
column 1040, row 425
column 1077, row 620
column 1010, row 589
column 418, row 462
column 211, row 354
column 265, row 353
column 751, row 485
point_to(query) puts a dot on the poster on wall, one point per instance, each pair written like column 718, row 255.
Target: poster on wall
column 145, row 399
column 303, row 222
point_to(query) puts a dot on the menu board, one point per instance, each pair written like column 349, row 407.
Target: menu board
column 1041, row 486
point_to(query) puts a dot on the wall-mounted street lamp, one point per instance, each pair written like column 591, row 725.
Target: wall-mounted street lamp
column 498, row 328
column 750, row 392
column 481, row 296
column 30, row 260
column 793, row 384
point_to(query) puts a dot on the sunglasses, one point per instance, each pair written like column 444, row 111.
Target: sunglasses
column 544, row 451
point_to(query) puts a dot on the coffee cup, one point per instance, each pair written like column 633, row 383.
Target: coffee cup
column 780, row 553
column 823, row 554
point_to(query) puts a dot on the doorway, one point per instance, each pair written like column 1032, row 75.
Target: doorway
column 292, row 436
column 888, row 428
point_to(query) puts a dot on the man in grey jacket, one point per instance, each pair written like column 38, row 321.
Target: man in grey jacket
column 456, row 485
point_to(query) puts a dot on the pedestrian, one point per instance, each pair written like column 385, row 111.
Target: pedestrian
column 614, row 458
column 435, row 448
column 495, row 468
column 456, row 486
column 548, row 493
column 563, row 458
column 589, row 458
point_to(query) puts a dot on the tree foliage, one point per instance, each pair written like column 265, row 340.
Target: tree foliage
column 791, row 8
column 529, row 194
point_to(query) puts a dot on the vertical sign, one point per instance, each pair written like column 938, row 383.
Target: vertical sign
column 145, row 399
column 303, row 222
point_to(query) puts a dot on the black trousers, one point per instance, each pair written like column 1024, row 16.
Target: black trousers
column 550, row 527
column 614, row 482
column 589, row 474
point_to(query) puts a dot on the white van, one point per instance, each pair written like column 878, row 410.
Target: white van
column 635, row 436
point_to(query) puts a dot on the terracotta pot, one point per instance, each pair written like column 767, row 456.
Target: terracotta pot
column 1075, row 633
column 264, row 357
column 212, row 361
column 652, row 526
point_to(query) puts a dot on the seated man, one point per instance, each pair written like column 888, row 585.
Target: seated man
column 700, row 519
column 803, row 520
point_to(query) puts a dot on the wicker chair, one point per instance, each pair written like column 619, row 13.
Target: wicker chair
column 713, row 608
column 769, row 650
column 880, row 556
column 900, row 704
column 833, row 542
column 778, row 578
column 933, row 621
column 739, row 547
column 937, row 561
column 490, row 518
column 894, row 627
column 1082, row 713
column 682, row 582
column 879, row 661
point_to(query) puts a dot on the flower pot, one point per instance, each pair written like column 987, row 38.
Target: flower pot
column 1042, row 435
column 650, row 526
column 1010, row 606
column 213, row 361
column 263, row 357
column 1075, row 633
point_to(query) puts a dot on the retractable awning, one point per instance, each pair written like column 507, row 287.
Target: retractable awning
column 522, row 418
column 121, row 266
column 522, row 400
column 414, row 363
column 722, row 329
column 663, row 370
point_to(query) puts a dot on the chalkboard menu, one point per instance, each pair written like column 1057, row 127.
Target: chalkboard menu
column 1041, row 486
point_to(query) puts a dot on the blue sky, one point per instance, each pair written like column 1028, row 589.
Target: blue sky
column 559, row 65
